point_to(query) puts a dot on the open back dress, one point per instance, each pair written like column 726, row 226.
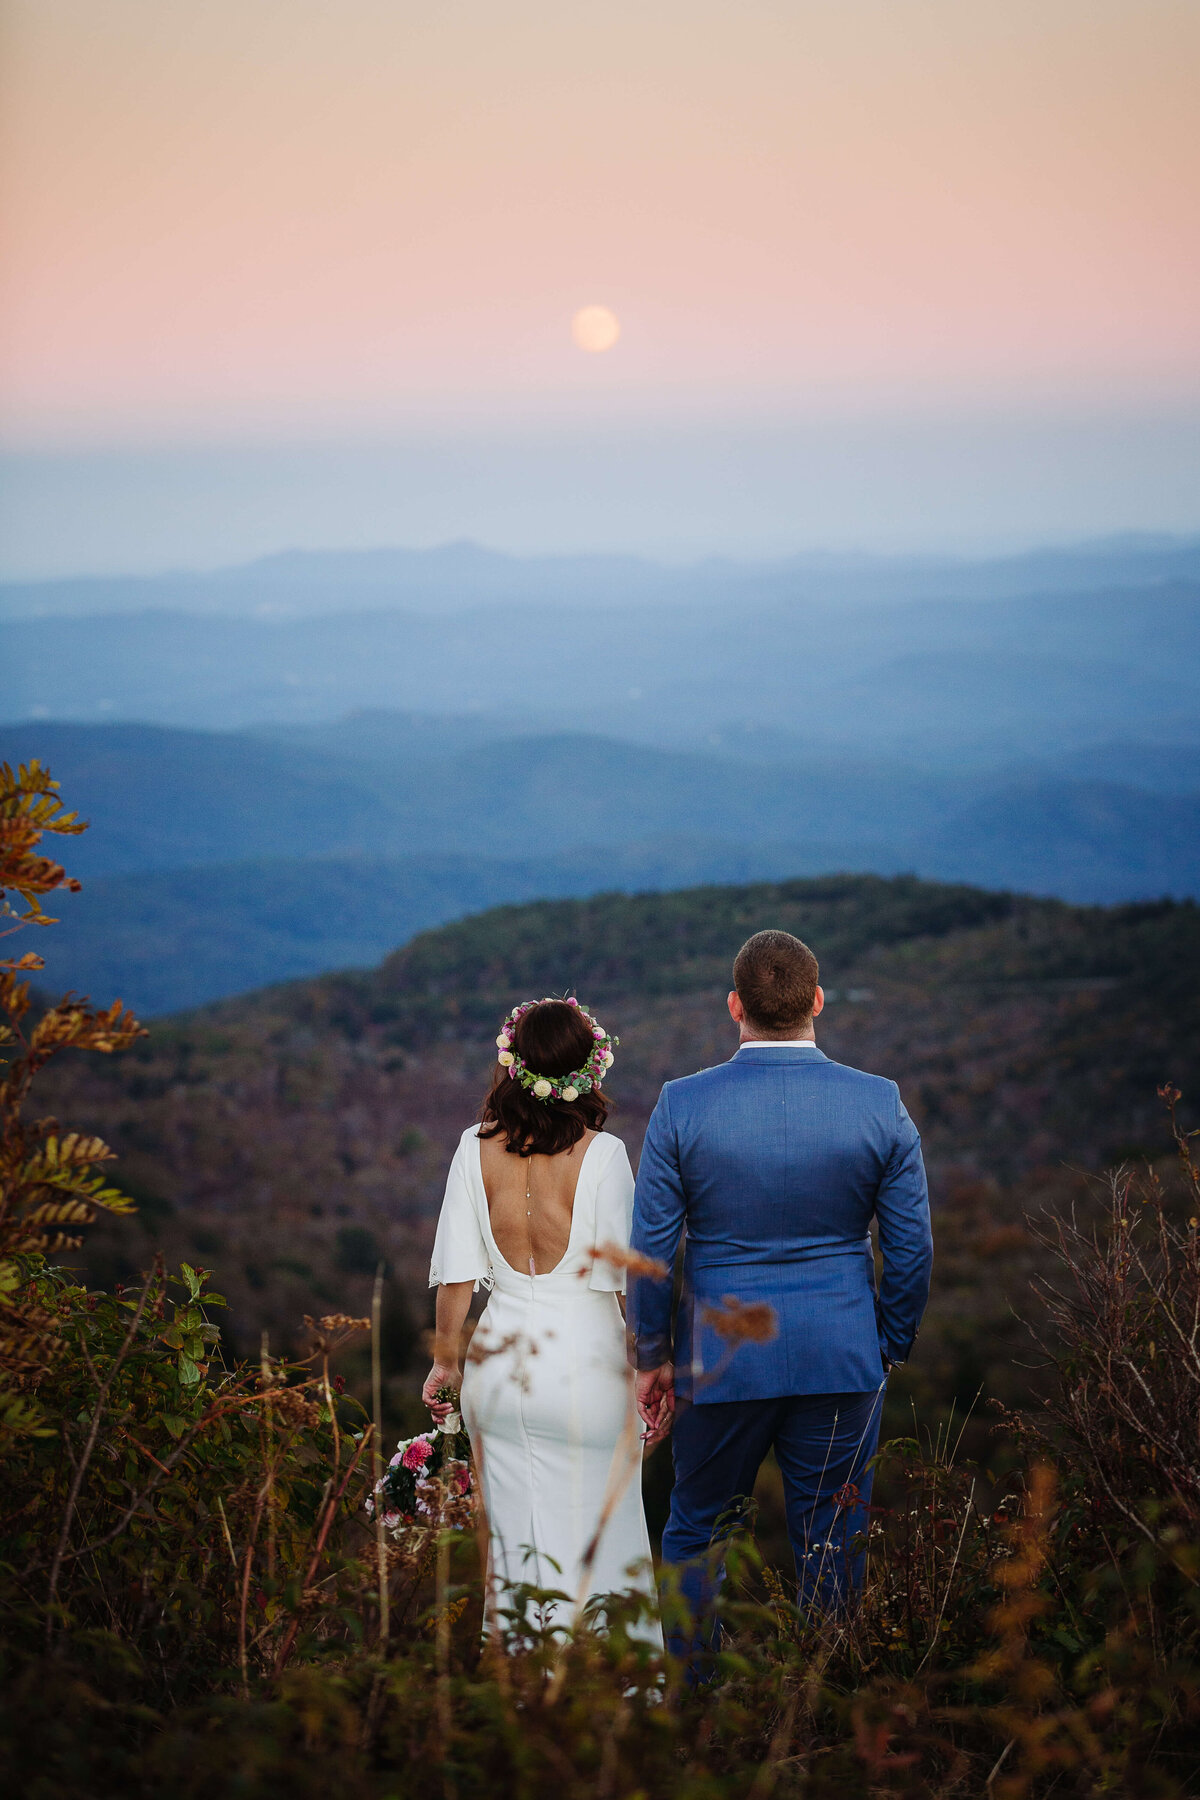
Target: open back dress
column 547, row 1393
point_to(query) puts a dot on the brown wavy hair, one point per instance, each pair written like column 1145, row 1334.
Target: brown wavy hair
column 551, row 1039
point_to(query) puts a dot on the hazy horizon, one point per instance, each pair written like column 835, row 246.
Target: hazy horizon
column 750, row 491
column 886, row 558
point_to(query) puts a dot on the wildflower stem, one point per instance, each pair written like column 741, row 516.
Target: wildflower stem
column 377, row 1457
column 331, row 1506
column 443, row 1659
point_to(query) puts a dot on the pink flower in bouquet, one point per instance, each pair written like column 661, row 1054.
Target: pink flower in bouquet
column 396, row 1460
column 417, row 1454
column 391, row 1520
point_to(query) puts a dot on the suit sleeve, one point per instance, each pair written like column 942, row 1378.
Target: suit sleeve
column 659, row 1212
column 905, row 1239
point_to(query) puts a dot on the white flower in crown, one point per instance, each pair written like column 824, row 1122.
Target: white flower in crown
column 609, row 1059
column 570, row 1093
column 506, row 1059
column 542, row 1089
column 503, row 1041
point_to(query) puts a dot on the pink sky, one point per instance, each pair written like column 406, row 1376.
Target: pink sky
column 274, row 217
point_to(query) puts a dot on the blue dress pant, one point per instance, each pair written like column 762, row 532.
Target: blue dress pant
column 824, row 1445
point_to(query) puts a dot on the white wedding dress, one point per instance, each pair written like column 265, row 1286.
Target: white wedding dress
column 547, row 1393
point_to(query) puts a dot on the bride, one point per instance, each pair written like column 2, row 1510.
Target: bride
column 536, row 1193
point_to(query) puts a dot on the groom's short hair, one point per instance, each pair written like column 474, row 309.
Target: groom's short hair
column 776, row 980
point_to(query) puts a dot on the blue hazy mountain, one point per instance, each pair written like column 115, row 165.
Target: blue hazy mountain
column 177, row 938
column 458, row 576
column 219, row 862
column 182, row 937
column 324, row 753
column 989, row 679
column 933, row 661
column 160, row 799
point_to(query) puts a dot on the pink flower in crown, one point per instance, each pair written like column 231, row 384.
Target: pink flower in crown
column 417, row 1454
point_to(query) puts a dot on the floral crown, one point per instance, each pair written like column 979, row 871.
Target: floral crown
column 557, row 1087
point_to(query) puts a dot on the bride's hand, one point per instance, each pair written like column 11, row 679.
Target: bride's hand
column 440, row 1376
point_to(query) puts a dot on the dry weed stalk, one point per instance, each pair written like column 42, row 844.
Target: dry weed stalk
column 1125, row 1316
column 741, row 1322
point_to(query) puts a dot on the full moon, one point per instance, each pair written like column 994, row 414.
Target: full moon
column 595, row 328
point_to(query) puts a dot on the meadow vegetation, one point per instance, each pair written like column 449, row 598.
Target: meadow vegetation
column 193, row 1599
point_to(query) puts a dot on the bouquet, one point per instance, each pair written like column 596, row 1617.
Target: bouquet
column 430, row 1474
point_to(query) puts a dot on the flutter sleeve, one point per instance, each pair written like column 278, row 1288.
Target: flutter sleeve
column 614, row 1216
column 459, row 1250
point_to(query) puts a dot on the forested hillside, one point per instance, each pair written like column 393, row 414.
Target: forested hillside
column 295, row 1136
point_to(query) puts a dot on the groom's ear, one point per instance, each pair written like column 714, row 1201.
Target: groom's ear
column 737, row 1011
column 818, row 1002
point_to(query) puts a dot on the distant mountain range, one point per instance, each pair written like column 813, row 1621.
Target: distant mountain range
column 219, row 862
column 933, row 663
column 331, row 752
column 455, row 576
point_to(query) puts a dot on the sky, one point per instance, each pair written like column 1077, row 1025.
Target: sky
column 883, row 268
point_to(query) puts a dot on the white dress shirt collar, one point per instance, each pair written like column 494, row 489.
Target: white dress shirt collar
column 777, row 1044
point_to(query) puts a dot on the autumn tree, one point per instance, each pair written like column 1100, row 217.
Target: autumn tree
column 52, row 1183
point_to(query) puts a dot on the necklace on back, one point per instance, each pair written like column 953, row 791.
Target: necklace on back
column 529, row 1210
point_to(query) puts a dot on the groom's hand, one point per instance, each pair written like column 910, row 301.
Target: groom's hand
column 655, row 1389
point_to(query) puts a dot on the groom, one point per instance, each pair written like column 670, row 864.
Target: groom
column 774, row 1165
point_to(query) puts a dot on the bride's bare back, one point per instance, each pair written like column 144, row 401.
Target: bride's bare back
column 531, row 1200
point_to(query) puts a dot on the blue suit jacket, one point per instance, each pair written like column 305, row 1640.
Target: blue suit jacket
column 774, row 1164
